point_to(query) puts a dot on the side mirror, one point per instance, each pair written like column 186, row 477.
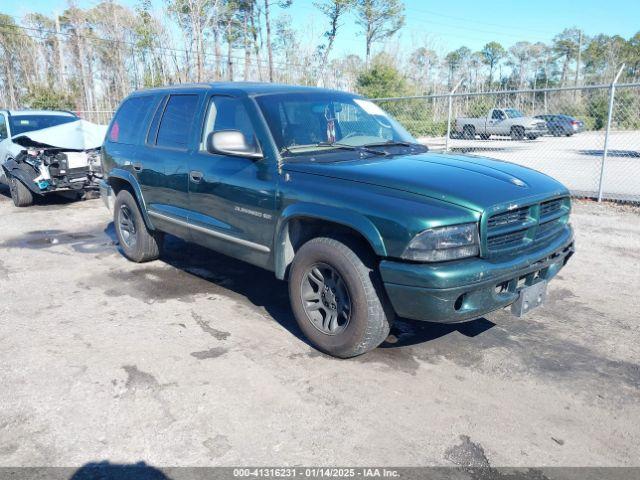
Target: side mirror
column 231, row 142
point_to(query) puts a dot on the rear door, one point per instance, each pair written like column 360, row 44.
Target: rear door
column 232, row 198
column 163, row 163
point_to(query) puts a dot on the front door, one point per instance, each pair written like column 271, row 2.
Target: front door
column 232, row 198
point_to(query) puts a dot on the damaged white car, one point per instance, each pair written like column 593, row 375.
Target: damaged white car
column 43, row 152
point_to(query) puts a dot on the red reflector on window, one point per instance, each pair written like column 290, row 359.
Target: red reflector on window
column 115, row 132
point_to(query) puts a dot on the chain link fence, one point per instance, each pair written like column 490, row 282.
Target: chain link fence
column 588, row 137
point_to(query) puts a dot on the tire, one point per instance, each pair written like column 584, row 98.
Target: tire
column 469, row 132
column 517, row 133
column 369, row 316
column 138, row 243
column 20, row 194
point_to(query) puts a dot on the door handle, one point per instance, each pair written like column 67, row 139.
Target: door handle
column 196, row 176
column 137, row 166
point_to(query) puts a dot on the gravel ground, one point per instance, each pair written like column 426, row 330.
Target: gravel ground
column 195, row 360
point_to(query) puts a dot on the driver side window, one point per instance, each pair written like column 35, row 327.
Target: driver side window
column 227, row 113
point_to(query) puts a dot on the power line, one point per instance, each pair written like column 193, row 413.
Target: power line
column 185, row 52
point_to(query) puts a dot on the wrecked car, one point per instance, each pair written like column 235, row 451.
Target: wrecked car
column 43, row 152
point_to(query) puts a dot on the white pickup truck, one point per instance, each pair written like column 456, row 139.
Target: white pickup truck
column 501, row 121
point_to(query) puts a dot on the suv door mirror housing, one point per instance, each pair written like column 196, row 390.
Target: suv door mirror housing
column 231, row 142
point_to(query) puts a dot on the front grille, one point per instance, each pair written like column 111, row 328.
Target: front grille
column 525, row 226
column 550, row 207
column 507, row 218
column 506, row 240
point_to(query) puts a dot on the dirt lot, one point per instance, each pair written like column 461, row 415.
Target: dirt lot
column 195, row 360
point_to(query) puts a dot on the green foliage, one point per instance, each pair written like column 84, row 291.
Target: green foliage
column 480, row 106
column 43, row 97
column 416, row 115
column 381, row 80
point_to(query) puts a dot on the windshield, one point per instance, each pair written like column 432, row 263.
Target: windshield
column 513, row 113
column 312, row 122
column 20, row 124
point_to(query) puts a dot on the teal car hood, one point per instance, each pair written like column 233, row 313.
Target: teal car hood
column 471, row 182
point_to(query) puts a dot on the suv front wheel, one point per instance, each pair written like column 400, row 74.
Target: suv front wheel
column 138, row 243
column 336, row 298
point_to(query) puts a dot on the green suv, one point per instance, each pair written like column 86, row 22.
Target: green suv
column 330, row 193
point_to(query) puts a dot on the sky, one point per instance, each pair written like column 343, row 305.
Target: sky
column 444, row 26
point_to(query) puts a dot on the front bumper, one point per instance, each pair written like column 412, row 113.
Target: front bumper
column 462, row 290
column 106, row 194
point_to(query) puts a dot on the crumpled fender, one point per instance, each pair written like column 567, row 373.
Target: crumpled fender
column 13, row 168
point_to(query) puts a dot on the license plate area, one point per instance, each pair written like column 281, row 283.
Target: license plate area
column 529, row 297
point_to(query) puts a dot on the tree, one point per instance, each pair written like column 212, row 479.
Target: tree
column 334, row 10
column 456, row 60
column 566, row 45
column 267, row 21
column 382, row 79
column 423, row 60
column 42, row 97
column 379, row 19
column 632, row 56
column 519, row 59
column 492, row 53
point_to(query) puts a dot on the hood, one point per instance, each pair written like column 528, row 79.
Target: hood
column 78, row 135
column 472, row 182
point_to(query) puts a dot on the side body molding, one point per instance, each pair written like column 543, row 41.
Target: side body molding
column 283, row 251
column 131, row 180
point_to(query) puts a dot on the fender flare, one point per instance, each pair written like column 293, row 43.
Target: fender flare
column 13, row 168
column 348, row 218
column 128, row 177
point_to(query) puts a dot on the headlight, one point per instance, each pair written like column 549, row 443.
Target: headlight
column 444, row 243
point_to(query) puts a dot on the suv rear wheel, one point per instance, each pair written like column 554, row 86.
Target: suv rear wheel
column 138, row 243
column 337, row 299
column 20, row 194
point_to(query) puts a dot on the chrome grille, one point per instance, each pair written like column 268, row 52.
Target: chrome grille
column 525, row 226
column 506, row 240
column 507, row 218
column 550, row 207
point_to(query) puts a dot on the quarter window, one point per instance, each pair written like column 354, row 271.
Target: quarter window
column 129, row 120
column 177, row 120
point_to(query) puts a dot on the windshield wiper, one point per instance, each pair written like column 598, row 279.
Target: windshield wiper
column 393, row 143
column 342, row 146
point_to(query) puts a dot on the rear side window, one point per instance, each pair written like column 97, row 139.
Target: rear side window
column 129, row 120
column 177, row 120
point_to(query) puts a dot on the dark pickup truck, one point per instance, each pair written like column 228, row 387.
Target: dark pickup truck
column 332, row 194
